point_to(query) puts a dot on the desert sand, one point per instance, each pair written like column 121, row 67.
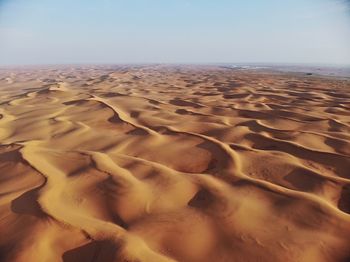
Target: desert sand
column 173, row 163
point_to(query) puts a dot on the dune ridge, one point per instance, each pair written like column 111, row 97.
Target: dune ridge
column 173, row 163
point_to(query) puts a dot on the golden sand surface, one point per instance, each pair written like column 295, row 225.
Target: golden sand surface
column 173, row 163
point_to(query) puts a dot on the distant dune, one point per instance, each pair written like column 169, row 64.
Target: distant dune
column 160, row 163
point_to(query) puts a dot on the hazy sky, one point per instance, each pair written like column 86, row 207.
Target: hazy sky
column 174, row 31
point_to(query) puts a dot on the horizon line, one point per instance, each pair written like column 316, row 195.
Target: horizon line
column 311, row 64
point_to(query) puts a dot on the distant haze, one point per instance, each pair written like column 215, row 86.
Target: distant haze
column 177, row 31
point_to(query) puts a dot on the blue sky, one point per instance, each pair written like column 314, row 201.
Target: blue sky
column 174, row 31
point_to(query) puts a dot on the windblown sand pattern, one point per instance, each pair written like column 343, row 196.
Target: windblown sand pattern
column 155, row 163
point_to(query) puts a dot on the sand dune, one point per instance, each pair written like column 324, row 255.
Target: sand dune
column 160, row 163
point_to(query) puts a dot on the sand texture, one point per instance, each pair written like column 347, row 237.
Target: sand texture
column 161, row 163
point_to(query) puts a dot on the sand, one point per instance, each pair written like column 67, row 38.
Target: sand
column 165, row 163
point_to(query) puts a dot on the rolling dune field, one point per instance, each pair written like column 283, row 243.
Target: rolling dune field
column 173, row 163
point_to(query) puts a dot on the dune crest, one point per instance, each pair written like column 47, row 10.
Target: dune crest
column 160, row 163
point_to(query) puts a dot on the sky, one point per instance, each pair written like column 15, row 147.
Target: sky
column 174, row 31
